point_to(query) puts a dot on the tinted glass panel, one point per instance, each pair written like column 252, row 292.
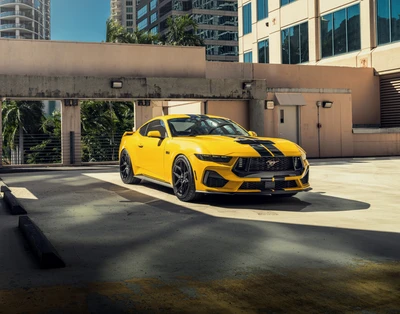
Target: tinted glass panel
column 247, row 19
column 395, row 20
column 304, row 43
column 353, row 28
column 262, row 9
column 383, row 21
column 207, row 19
column 339, row 30
column 263, row 51
column 222, row 50
column 285, row 46
column 217, row 35
column 326, row 35
column 216, row 5
column 248, row 57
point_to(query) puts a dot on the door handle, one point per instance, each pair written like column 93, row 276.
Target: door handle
column 140, row 146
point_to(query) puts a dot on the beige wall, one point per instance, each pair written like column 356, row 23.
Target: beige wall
column 235, row 110
column 363, row 84
column 376, row 144
column 52, row 58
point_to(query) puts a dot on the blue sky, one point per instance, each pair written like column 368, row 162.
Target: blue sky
column 79, row 20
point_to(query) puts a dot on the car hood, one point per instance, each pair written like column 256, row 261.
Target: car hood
column 244, row 145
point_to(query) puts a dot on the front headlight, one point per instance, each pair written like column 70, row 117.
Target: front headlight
column 214, row 158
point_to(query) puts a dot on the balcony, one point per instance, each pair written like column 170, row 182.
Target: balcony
column 16, row 26
column 26, row 2
column 21, row 14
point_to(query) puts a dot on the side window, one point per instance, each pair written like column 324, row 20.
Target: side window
column 143, row 129
column 157, row 125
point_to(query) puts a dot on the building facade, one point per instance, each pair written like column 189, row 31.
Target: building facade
column 217, row 21
column 337, row 33
column 124, row 12
column 25, row 19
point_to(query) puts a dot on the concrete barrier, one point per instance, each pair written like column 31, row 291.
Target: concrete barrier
column 12, row 203
column 44, row 251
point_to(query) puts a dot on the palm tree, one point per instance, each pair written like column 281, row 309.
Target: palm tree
column 182, row 31
column 20, row 117
column 118, row 34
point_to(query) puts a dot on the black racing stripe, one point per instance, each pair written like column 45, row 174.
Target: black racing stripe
column 273, row 149
column 261, row 150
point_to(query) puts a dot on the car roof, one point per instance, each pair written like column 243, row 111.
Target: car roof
column 182, row 115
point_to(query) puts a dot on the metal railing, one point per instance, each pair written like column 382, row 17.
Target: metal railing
column 100, row 148
column 21, row 26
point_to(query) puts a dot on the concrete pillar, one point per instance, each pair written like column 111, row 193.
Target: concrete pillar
column 71, row 134
column 256, row 115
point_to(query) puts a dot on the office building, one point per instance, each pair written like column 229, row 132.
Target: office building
column 25, row 19
column 335, row 33
column 217, row 21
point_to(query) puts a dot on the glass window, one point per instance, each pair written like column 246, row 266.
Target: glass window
column 217, row 35
column 247, row 19
column 395, row 25
column 142, row 12
column 153, row 17
column 222, row 50
column 223, row 5
column 153, row 4
column 283, row 2
column 129, row 16
column 129, row 10
column 248, row 57
column 388, row 18
column 262, row 9
column 204, row 126
column 295, row 44
column 340, row 31
column 129, row 3
column 157, row 125
column 142, row 24
column 263, row 51
column 129, row 23
column 208, row 19
column 154, row 30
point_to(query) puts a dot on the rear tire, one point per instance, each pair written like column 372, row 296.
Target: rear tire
column 126, row 170
column 183, row 180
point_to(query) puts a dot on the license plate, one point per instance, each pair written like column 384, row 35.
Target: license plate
column 269, row 185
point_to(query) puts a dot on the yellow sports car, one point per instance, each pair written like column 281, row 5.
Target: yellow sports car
column 196, row 154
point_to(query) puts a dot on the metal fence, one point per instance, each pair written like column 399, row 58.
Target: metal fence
column 100, row 148
column 46, row 149
column 33, row 149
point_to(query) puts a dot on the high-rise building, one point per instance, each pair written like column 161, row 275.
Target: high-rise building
column 25, row 19
column 355, row 33
column 217, row 21
column 124, row 12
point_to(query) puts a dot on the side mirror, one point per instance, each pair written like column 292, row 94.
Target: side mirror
column 156, row 134
column 252, row 133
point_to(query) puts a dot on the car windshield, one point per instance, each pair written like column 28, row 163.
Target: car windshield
column 203, row 125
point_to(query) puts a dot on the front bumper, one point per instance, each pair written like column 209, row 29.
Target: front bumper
column 220, row 178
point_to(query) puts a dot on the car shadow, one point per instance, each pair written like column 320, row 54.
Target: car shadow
column 302, row 202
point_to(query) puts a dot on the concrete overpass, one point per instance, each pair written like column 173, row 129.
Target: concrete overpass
column 45, row 70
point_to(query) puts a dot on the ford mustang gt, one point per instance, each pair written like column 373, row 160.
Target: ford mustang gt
column 197, row 154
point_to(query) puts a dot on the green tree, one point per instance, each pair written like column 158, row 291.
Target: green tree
column 20, row 118
column 182, row 31
column 103, row 124
column 118, row 34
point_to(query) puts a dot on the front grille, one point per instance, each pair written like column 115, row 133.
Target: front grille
column 258, row 164
column 266, row 185
column 305, row 179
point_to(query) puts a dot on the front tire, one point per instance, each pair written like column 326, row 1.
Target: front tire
column 126, row 169
column 183, row 180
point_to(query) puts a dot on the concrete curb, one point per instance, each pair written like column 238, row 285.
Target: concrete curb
column 44, row 251
column 13, row 205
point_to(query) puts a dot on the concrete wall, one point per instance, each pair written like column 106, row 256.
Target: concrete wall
column 236, row 110
column 376, row 144
column 361, row 81
column 53, row 58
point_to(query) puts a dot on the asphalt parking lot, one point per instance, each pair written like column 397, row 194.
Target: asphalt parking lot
column 138, row 249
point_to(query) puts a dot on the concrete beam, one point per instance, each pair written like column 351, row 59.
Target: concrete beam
column 85, row 87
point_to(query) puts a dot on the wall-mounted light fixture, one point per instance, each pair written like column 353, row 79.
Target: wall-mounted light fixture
column 269, row 104
column 247, row 85
column 116, row 84
column 327, row 104
column 71, row 102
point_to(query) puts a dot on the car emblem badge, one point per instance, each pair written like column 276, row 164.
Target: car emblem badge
column 272, row 163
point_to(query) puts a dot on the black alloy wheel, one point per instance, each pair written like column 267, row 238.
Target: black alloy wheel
column 183, row 181
column 126, row 170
